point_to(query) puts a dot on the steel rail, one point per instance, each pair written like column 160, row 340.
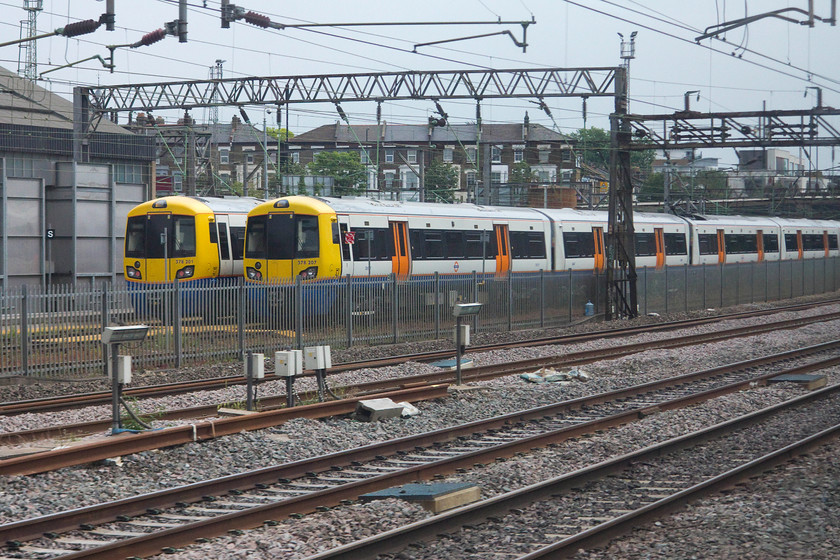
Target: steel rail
column 29, row 529
column 126, row 444
column 104, row 397
column 501, row 505
column 479, row 373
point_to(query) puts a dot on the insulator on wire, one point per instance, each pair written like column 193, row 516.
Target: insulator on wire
column 150, row 38
column 257, row 19
column 78, row 28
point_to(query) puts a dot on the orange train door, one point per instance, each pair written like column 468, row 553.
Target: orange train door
column 721, row 238
column 825, row 242
column 502, row 249
column 799, row 245
column 759, row 243
column 659, row 237
column 400, row 261
column 598, row 236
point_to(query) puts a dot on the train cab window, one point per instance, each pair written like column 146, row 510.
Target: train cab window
column 578, row 244
column 832, row 242
column 237, row 242
column 645, row 244
column 135, row 237
column 182, row 240
column 527, row 245
column 224, row 249
column 214, row 233
column 813, row 242
column 707, row 243
column 790, row 242
column 307, row 237
column 255, row 238
column 771, row 243
column 675, row 244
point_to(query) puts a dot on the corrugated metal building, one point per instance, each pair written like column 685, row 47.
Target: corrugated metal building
column 63, row 221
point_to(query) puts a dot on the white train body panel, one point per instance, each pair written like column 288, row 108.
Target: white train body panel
column 810, row 234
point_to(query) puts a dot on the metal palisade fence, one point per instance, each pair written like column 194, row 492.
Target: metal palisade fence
column 55, row 332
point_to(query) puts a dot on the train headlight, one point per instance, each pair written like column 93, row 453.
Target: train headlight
column 185, row 272
column 253, row 274
column 133, row 273
column 309, row 273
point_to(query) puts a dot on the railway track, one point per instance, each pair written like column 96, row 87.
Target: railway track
column 104, row 397
column 480, row 373
column 558, row 517
column 147, row 524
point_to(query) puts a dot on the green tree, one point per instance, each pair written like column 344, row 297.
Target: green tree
column 653, row 189
column 278, row 134
column 441, row 180
column 521, row 174
column 345, row 168
column 594, row 145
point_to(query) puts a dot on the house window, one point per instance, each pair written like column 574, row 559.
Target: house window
column 470, row 176
column 411, row 156
column 178, row 182
column 295, row 157
column 225, row 177
column 128, row 173
column 249, row 158
column 471, row 153
column 496, row 154
column 566, row 155
column 518, row 155
column 410, row 181
column 389, row 180
column 389, row 156
column 495, row 178
column 448, row 153
column 544, row 153
column 20, row 167
column 224, row 156
column 365, row 157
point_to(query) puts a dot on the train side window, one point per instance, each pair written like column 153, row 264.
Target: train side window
column 345, row 247
column 832, row 242
column 645, row 244
column 307, row 237
column 454, row 241
column 473, row 248
column 790, row 242
column 527, row 245
column 813, row 242
column 434, row 245
column 740, row 243
column 255, row 238
column 578, row 244
column 223, row 242
column 135, row 237
column 373, row 244
column 675, row 244
column 237, row 242
column 708, row 243
column 336, row 236
column 415, row 241
column 214, row 238
column 771, row 243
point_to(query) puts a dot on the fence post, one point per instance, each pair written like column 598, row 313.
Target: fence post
column 24, row 330
column 703, row 268
column 240, row 315
column 437, row 305
column 720, row 281
column 394, row 303
column 542, row 298
column 737, row 283
column 685, row 287
column 644, row 283
column 571, row 295
column 510, row 302
column 299, row 312
column 475, row 298
column 176, row 324
column 348, row 288
column 766, row 284
column 667, row 287
column 105, row 316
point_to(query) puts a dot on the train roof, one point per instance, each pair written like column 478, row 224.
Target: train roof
column 360, row 205
column 805, row 222
column 715, row 220
column 199, row 204
column 572, row 214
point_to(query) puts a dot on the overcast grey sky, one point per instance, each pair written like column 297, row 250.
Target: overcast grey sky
column 773, row 62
